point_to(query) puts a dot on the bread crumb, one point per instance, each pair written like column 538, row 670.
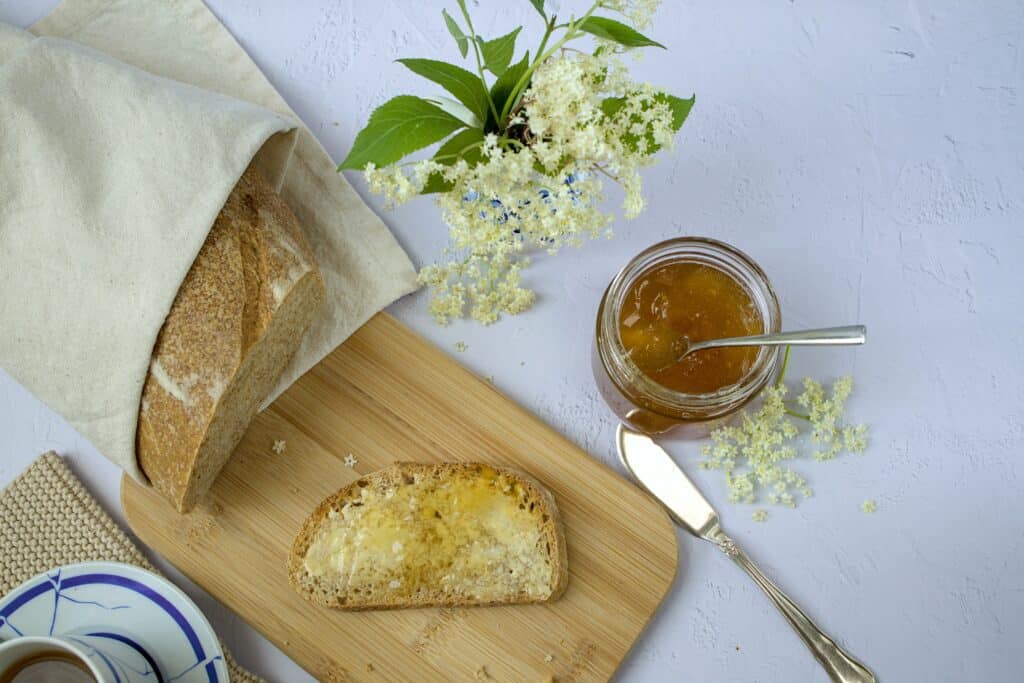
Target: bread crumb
column 279, row 446
column 461, row 346
column 549, row 658
column 350, row 460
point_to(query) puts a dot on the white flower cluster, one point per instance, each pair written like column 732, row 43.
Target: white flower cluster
column 539, row 185
column 750, row 453
column 826, row 415
column 639, row 12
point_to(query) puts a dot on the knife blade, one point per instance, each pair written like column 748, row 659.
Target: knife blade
column 656, row 471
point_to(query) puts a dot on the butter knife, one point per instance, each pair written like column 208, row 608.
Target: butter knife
column 657, row 472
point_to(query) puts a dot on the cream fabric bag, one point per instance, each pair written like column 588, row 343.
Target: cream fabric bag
column 110, row 178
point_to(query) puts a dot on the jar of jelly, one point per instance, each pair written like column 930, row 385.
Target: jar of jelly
column 684, row 290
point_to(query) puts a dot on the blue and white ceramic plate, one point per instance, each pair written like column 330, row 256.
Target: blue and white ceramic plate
column 136, row 625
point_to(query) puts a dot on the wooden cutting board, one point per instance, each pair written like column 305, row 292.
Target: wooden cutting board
column 384, row 395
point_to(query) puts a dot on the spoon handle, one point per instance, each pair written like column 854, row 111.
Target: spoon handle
column 826, row 336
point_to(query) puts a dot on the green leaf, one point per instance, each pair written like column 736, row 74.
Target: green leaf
column 399, row 127
column 609, row 29
column 436, row 183
column 456, row 109
column 501, row 91
column 498, row 53
column 539, row 6
column 455, row 145
column 680, row 110
column 611, row 105
column 457, row 34
column 464, row 85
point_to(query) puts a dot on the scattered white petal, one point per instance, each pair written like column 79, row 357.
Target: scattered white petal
column 279, row 446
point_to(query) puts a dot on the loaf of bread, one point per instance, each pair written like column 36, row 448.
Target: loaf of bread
column 414, row 535
column 235, row 323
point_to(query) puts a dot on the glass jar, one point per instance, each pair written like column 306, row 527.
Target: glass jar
column 649, row 406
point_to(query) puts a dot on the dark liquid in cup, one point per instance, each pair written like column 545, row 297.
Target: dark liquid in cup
column 52, row 666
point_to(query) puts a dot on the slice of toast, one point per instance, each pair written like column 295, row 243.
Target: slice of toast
column 415, row 535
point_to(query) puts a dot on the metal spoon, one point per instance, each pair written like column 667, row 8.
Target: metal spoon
column 825, row 336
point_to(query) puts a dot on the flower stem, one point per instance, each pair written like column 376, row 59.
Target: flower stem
column 603, row 170
column 479, row 62
column 571, row 32
column 454, row 155
column 796, row 414
column 547, row 34
column 785, row 364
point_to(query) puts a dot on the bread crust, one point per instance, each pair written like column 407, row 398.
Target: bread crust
column 237, row 319
column 396, row 473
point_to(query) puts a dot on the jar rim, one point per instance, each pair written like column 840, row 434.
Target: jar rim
column 624, row 372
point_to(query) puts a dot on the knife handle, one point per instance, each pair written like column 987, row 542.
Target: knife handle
column 839, row 665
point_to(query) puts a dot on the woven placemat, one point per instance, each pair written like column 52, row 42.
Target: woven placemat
column 47, row 519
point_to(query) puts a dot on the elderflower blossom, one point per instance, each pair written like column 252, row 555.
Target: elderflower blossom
column 750, row 453
column 541, row 187
column 639, row 12
column 826, row 415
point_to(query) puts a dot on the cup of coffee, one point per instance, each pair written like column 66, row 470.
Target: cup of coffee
column 33, row 659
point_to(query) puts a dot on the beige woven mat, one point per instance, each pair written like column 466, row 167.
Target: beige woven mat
column 47, row 518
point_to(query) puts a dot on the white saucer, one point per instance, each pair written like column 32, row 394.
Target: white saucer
column 145, row 628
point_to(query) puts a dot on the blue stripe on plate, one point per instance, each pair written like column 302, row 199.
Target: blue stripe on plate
column 135, row 646
column 146, row 591
column 47, row 585
column 32, row 593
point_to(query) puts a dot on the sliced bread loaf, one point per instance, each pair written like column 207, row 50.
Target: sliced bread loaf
column 415, row 535
column 235, row 323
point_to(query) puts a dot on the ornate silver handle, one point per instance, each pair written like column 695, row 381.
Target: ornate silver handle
column 841, row 667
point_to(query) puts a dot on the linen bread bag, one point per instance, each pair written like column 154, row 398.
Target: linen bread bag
column 153, row 273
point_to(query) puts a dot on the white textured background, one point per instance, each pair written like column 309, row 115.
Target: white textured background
column 870, row 156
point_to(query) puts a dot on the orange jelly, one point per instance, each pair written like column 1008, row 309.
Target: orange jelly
column 678, row 302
